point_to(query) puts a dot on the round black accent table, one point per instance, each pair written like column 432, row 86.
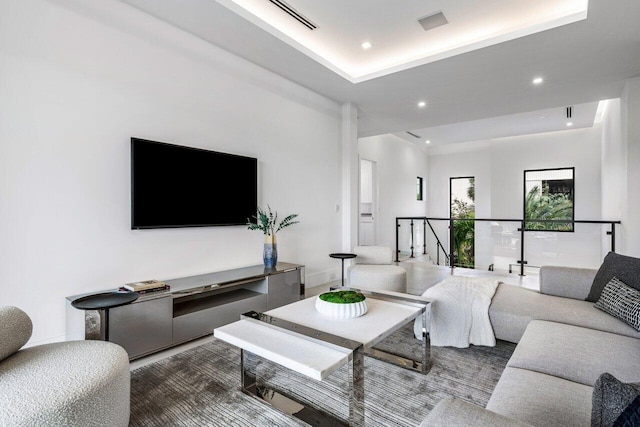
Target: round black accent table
column 105, row 301
column 342, row 256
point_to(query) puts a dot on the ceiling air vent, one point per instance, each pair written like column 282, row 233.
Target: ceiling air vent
column 414, row 135
column 569, row 112
column 432, row 21
column 294, row 14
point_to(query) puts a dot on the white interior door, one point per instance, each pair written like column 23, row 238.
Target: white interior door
column 368, row 203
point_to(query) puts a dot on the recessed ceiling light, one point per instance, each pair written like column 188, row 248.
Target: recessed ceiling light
column 366, row 45
column 422, row 104
column 427, row 142
column 537, row 80
column 569, row 124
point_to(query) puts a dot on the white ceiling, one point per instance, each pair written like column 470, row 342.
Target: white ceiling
column 581, row 62
column 548, row 120
column 399, row 41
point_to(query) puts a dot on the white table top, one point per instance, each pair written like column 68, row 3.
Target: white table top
column 292, row 351
column 382, row 318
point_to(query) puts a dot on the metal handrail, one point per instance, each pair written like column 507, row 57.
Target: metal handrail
column 438, row 245
column 522, row 230
column 424, row 231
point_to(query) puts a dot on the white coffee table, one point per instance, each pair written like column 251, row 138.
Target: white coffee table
column 299, row 338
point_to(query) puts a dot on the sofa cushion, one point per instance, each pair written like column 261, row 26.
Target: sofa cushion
column 610, row 399
column 509, row 311
column 15, row 330
column 576, row 354
column 567, row 282
column 624, row 267
column 454, row 412
column 621, row 301
column 513, row 307
column 541, row 400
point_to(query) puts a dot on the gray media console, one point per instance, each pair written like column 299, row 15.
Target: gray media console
column 191, row 309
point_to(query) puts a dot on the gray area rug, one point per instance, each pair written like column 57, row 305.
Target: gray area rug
column 200, row 387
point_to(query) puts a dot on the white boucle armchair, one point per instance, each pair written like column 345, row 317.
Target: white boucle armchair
column 73, row 383
column 373, row 269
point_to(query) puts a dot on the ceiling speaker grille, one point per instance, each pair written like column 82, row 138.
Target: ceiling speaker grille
column 432, row 21
column 294, row 14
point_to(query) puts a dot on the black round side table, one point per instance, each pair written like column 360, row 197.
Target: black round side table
column 105, row 301
column 342, row 256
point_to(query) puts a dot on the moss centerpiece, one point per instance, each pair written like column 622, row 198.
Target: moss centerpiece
column 342, row 304
column 342, row 297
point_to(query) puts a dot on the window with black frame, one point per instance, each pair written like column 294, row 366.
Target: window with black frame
column 549, row 196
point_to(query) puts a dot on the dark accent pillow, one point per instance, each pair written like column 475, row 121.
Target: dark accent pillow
column 624, row 267
column 610, row 398
column 621, row 301
column 630, row 417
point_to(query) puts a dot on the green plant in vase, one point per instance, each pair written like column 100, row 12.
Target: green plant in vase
column 268, row 222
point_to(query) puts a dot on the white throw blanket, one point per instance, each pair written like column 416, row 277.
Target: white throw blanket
column 459, row 313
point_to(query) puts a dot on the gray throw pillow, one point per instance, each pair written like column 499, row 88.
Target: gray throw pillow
column 610, row 398
column 621, row 301
column 15, row 330
column 624, row 267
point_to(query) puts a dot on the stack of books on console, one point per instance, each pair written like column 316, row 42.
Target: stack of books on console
column 145, row 287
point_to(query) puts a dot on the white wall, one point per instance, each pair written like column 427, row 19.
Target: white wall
column 78, row 79
column 399, row 163
column 630, row 114
column 498, row 166
column 614, row 170
column 621, row 166
column 458, row 160
column 350, row 179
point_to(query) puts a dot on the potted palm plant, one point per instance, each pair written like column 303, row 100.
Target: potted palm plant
column 268, row 222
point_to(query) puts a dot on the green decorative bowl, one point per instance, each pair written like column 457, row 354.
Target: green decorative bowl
column 342, row 304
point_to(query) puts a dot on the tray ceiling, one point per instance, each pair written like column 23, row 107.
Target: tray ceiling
column 332, row 32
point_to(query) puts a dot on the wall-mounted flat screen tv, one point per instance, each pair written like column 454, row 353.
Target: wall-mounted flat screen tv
column 177, row 186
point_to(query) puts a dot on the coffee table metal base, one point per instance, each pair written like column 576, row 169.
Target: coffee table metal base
column 251, row 380
column 422, row 365
column 285, row 403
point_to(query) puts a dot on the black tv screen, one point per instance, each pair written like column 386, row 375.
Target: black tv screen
column 176, row 186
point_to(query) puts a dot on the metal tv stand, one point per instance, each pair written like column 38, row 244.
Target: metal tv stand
column 191, row 309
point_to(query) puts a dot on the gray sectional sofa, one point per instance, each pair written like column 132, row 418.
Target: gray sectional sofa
column 564, row 345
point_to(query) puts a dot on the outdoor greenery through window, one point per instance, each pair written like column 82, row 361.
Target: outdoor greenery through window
column 548, row 195
column 463, row 197
column 419, row 189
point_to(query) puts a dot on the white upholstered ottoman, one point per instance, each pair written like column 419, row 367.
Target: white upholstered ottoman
column 373, row 269
column 74, row 383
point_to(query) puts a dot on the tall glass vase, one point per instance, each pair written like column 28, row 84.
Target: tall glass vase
column 270, row 253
